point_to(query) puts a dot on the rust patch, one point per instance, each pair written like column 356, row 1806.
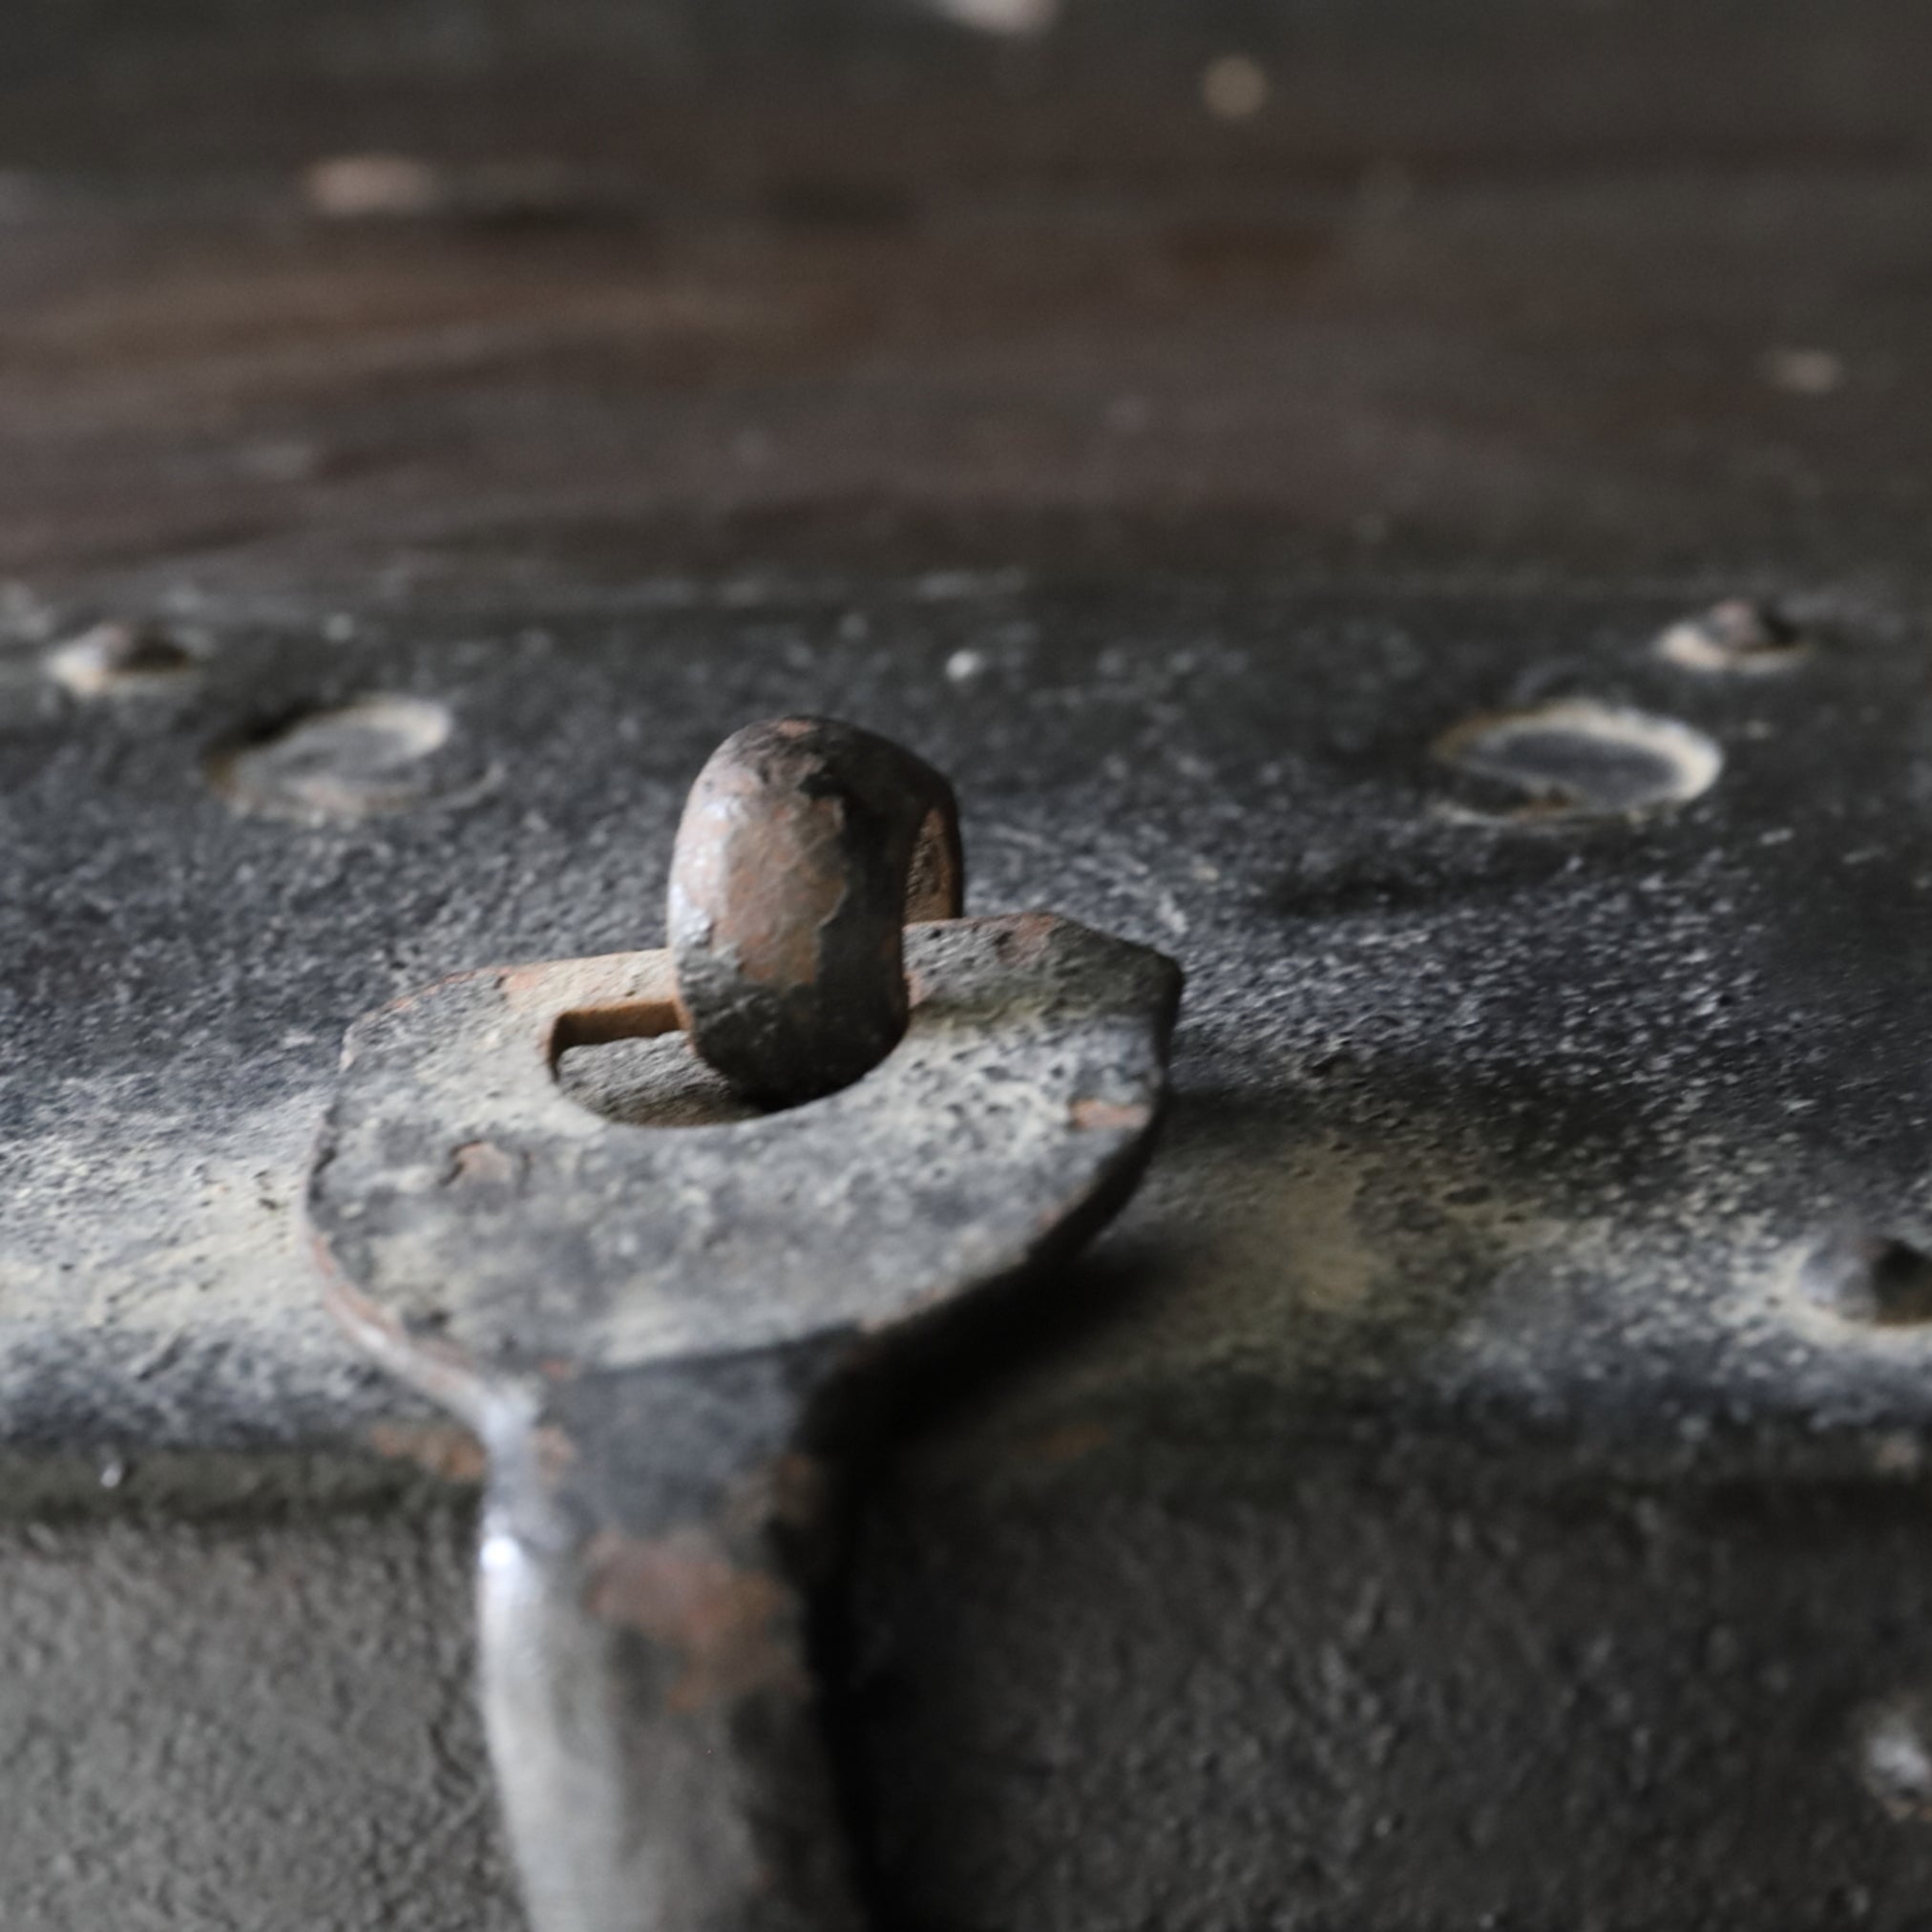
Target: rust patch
column 642, row 1018
column 1068, row 1443
column 448, row 1453
column 480, row 1164
column 935, row 886
column 403, row 1001
column 552, row 1452
column 803, row 845
column 770, row 917
column 616, row 995
column 520, row 983
column 1026, row 937
column 790, row 1492
column 1090, row 1115
column 727, row 1625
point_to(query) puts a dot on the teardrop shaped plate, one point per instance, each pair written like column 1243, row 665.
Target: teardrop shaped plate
column 477, row 1224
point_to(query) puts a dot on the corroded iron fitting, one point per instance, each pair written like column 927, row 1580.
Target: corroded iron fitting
column 806, row 847
column 657, row 1331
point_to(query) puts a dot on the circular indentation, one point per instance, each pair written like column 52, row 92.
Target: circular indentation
column 120, row 657
column 376, row 755
column 1803, row 371
column 657, row 1082
column 1895, row 1756
column 376, row 187
column 1017, row 18
column 1736, row 635
column 392, row 188
column 1234, row 87
column 1875, row 1279
column 1576, row 758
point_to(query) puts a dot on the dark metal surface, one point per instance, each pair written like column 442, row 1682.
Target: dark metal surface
column 1518, row 1134
column 1483, row 1477
column 806, row 847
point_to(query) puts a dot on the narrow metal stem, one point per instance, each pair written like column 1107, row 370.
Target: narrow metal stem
column 649, row 1709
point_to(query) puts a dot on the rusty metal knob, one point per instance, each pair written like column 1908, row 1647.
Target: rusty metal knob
column 805, row 846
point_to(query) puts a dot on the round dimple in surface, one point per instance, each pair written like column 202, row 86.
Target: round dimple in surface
column 1895, row 1755
column 1577, row 758
column 378, row 754
column 120, row 658
column 1735, row 635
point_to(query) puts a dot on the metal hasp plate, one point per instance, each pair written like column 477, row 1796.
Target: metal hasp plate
column 662, row 1335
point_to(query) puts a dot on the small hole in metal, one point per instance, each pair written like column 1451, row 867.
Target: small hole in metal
column 1878, row 1280
column 118, row 657
column 1736, row 635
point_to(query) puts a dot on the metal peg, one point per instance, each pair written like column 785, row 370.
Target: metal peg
column 804, row 848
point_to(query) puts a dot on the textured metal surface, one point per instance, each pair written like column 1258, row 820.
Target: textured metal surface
column 1521, row 1130
column 1251, row 775
column 238, row 1719
column 1485, row 1474
column 482, row 1226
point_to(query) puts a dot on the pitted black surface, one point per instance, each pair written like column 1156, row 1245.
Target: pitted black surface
column 1529, row 1121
